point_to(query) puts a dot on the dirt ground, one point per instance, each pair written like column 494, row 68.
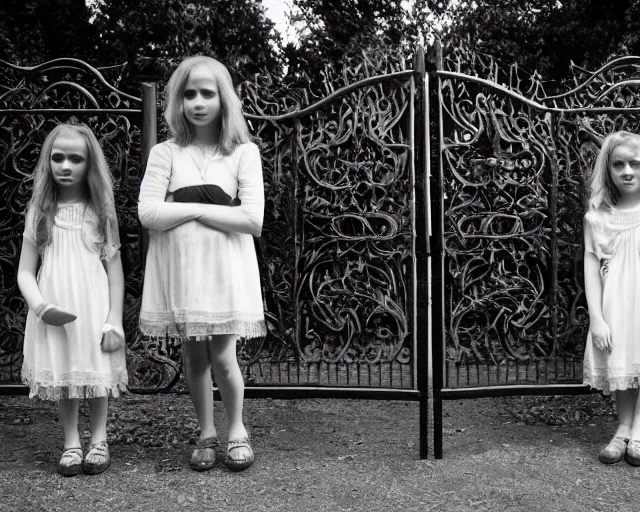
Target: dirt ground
column 529, row 454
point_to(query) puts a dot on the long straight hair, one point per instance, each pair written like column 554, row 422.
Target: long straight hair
column 43, row 204
column 602, row 190
column 233, row 126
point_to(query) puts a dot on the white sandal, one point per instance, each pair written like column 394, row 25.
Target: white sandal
column 71, row 461
column 100, row 449
column 615, row 451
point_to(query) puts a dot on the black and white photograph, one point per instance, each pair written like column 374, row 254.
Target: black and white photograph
column 320, row 255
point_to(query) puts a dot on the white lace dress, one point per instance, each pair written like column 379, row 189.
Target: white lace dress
column 67, row 361
column 614, row 237
column 199, row 281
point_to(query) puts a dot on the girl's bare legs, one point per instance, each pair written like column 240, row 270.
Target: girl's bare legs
column 71, row 461
column 197, row 372
column 626, row 410
column 68, row 410
column 97, row 458
column 619, row 447
column 628, row 404
column 98, row 408
column 229, row 380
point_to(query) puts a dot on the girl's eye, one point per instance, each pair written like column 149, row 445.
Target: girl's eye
column 208, row 94
column 57, row 158
column 189, row 94
column 635, row 165
column 76, row 159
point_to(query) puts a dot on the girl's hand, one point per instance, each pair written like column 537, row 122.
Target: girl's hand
column 601, row 335
column 53, row 315
column 112, row 338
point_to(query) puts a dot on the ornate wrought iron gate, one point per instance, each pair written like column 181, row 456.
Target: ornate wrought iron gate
column 344, row 249
column 344, row 254
column 509, row 312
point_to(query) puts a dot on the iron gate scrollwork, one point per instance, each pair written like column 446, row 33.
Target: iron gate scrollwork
column 338, row 246
column 337, row 265
column 508, row 199
column 343, row 249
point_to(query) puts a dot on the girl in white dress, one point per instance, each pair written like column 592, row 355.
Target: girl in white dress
column 612, row 274
column 74, row 339
column 201, row 281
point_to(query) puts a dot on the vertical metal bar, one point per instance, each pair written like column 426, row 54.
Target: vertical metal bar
column 297, row 242
column 437, row 263
column 149, row 139
column 553, row 213
column 420, row 145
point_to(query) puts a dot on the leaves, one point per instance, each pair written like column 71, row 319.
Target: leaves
column 545, row 35
column 559, row 410
column 236, row 32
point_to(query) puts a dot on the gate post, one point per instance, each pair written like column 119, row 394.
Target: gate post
column 421, row 155
column 437, row 253
column 149, row 139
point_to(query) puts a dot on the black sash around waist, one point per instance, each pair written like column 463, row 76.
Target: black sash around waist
column 207, row 194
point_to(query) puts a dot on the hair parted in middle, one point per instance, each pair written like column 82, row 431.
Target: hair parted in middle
column 602, row 191
column 43, row 203
column 233, row 126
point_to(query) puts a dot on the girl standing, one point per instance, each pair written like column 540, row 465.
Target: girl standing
column 201, row 278
column 612, row 273
column 73, row 342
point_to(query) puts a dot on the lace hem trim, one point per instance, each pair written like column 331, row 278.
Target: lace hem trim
column 170, row 326
column 609, row 384
column 42, row 385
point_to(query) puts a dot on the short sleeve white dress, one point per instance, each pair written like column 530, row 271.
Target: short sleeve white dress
column 67, row 361
column 614, row 237
column 199, row 281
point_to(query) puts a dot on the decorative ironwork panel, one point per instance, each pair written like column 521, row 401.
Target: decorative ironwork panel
column 515, row 165
column 337, row 264
column 497, row 169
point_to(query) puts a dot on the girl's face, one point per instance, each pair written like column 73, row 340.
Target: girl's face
column 69, row 161
column 625, row 168
column 201, row 101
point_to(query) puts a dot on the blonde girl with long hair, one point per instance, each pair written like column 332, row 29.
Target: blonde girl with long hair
column 202, row 199
column 74, row 339
column 612, row 274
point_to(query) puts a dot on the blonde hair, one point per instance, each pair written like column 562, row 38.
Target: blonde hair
column 233, row 127
column 43, row 203
column 602, row 191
